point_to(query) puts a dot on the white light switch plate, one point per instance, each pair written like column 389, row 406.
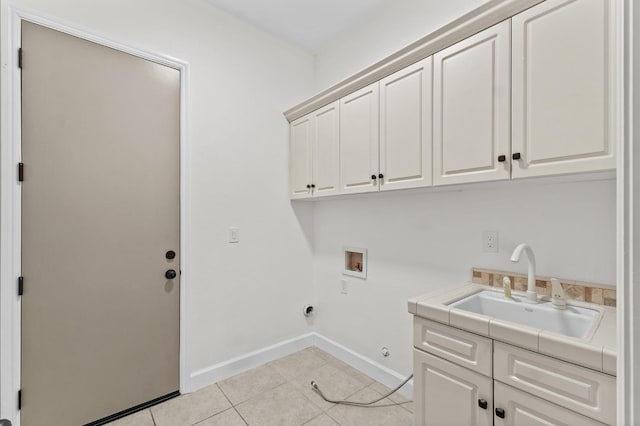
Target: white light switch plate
column 234, row 235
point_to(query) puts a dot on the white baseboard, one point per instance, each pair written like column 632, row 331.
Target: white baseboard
column 376, row 371
column 215, row 373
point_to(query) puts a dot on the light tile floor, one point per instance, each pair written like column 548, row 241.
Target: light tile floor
column 279, row 394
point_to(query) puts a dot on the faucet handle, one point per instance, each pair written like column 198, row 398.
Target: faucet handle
column 558, row 298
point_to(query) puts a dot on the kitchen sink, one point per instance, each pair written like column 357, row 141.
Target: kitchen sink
column 573, row 321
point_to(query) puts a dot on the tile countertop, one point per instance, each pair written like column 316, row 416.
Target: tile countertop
column 597, row 351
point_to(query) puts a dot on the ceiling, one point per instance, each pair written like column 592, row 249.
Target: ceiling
column 308, row 23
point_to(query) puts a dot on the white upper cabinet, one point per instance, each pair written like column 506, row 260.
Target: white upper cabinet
column 301, row 148
column 532, row 95
column 563, row 88
column 326, row 150
column 405, row 127
column 359, row 139
column 315, row 153
column 472, row 108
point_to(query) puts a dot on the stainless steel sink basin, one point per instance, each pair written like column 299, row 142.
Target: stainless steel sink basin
column 573, row 321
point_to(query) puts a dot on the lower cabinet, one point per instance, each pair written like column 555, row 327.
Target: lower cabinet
column 450, row 394
column 522, row 388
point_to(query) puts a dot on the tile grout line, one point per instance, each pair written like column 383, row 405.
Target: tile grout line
column 216, row 414
column 224, row 394
column 219, row 412
column 321, row 414
column 153, row 419
column 240, row 415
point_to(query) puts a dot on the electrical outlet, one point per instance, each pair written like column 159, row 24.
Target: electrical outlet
column 490, row 241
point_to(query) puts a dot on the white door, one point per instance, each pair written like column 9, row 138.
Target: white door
column 517, row 408
column 446, row 394
column 100, row 230
column 405, row 127
column 359, row 141
column 326, row 150
column 301, row 152
column 563, row 87
column 472, row 108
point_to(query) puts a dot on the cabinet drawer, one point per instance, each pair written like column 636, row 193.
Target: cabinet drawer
column 576, row 388
column 447, row 394
column 521, row 408
column 466, row 349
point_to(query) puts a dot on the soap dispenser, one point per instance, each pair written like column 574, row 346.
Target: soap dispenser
column 506, row 285
column 558, row 299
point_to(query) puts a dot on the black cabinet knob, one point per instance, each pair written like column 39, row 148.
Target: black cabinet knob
column 313, row 185
column 170, row 254
column 500, row 413
column 308, row 186
column 381, row 176
column 502, row 158
column 516, row 156
column 374, row 177
column 482, row 403
column 170, row 274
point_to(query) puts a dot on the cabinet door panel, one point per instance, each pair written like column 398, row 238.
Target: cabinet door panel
column 326, row 152
column 563, row 88
column 301, row 151
column 577, row 388
column 461, row 347
column 359, row 151
column 472, row 108
column 447, row 394
column 523, row 409
column 405, row 127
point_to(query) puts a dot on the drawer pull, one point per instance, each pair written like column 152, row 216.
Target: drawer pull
column 482, row 403
column 500, row 413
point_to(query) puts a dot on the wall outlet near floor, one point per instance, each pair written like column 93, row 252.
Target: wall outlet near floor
column 344, row 287
column 234, row 235
column 490, row 241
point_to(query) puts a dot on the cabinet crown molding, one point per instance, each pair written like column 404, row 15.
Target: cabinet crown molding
column 484, row 16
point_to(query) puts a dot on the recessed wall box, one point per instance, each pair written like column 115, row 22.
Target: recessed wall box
column 355, row 262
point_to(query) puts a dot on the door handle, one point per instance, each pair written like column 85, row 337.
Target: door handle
column 170, row 274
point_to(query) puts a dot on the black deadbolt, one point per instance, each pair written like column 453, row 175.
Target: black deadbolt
column 170, row 254
column 482, row 403
column 170, row 274
column 500, row 413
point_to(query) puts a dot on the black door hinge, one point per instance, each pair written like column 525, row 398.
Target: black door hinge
column 20, row 57
column 20, row 286
column 20, row 399
column 20, row 172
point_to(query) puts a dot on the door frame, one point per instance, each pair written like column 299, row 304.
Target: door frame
column 10, row 195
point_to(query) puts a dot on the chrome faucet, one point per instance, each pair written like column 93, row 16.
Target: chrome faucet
column 532, row 296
